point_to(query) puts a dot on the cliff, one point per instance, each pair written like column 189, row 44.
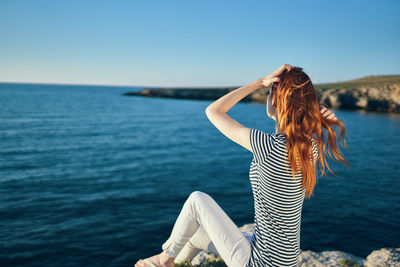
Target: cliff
column 371, row 93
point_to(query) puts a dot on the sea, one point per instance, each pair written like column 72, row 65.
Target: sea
column 91, row 177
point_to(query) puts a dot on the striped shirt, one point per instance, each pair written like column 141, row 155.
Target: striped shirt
column 278, row 202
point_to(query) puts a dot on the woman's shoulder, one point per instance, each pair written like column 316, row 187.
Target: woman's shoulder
column 270, row 135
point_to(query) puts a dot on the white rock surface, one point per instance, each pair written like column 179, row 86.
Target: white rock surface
column 378, row 258
column 383, row 257
column 310, row 258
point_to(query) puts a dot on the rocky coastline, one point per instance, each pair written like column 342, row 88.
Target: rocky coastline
column 382, row 257
column 371, row 93
column 378, row 99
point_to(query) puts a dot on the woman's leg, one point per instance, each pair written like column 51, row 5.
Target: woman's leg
column 200, row 209
column 199, row 241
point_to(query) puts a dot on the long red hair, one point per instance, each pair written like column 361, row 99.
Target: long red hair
column 301, row 121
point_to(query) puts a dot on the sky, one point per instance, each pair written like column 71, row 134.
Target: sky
column 195, row 43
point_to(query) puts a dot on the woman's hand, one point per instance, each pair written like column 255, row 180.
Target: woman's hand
column 274, row 76
column 327, row 113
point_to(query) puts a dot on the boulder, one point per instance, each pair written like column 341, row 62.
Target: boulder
column 383, row 257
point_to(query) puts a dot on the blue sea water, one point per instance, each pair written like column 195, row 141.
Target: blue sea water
column 89, row 177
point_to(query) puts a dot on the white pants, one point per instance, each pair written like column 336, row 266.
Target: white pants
column 203, row 225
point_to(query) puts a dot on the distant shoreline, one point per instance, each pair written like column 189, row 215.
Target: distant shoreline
column 372, row 93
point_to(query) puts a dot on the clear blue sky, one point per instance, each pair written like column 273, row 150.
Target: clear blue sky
column 195, row 43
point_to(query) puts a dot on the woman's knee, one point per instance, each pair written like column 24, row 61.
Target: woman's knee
column 198, row 196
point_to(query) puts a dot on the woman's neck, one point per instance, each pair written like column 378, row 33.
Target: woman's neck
column 277, row 129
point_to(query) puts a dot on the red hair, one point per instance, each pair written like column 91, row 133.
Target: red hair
column 299, row 119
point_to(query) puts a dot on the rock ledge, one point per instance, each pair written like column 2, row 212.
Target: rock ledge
column 382, row 257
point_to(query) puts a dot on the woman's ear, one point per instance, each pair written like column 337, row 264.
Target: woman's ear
column 274, row 98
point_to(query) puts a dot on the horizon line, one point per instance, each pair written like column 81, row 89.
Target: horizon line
column 141, row 86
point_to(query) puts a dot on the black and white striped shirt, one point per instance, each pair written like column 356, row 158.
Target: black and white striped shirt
column 278, row 202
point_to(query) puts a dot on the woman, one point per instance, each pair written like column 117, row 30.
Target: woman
column 282, row 174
